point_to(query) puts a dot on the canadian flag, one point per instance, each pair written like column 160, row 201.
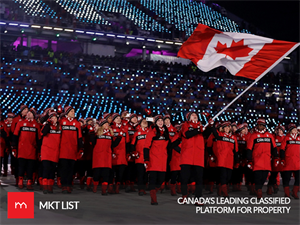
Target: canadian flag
column 244, row 55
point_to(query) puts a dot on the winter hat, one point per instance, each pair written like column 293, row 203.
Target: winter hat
column 280, row 127
column 291, row 126
column 22, row 107
column 156, row 118
column 106, row 115
column 33, row 111
column 68, row 109
column 218, row 125
column 81, row 120
column 52, row 114
column 114, row 116
column 188, row 115
column 10, row 115
column 132, row 115
column 167, row 116
column 225, row 124
column 88, row 119
column 102, row 122
column 261, row 122
column 240, row 127
column 234, row 124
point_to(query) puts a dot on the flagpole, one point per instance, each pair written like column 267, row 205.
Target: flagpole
column 255, row 81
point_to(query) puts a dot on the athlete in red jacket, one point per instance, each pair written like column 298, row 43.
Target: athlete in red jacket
column 14, row 160
column 226, row 152
column 137, row 145
column 71, row 147
column 4, row 141
column 27, row 135
column 242, row 136
column 129, row 173
column 103, row 141
column 175, row 161
column 260, row 146
column 7, row 122
column 274, row 177
column 155, row 155
column 290, row 160
column 119, row 162
column 51, row 133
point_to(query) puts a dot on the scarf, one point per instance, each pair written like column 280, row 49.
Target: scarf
column 69, row 118
column 105, row 131
column 260, row 131
column 294, row 136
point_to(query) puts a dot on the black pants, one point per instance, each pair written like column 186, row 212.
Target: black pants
column 14, row 165
column 286, row 177
column 272, row 179
column 130, row 172
column 224, row 175
column 185, row 174
column 5, row 161
column 260, row 177
column 66, row 167
column 141, row 175
column 156, row 179
column 101, row 172
column 118, row 172
column 48, row 169
column 84, row 168
column 249, row 175
column 26, row 165
column 237, row 175
column 40, row 169
column 212, row 174
column 175, row 176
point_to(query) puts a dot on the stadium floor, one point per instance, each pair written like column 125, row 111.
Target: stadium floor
column 129, row 208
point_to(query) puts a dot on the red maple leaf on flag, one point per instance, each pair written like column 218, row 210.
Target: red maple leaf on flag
column 237, row 49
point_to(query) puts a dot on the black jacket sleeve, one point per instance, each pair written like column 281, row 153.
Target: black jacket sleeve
column 249, row 154
column 46, row 129
column 191, row 133
column 146, row 154
column 210, row 151
column 116, row 142
column 93, row 139
column 282, row 154
column 80, row 143
column 177, row 149
column 274, row 151
column 215, row 133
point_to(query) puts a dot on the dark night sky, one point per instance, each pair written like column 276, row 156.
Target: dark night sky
column 280, row 19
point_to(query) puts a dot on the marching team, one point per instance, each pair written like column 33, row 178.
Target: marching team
column 127, row 149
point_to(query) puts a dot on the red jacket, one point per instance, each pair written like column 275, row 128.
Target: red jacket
column 14, row 122
column 8, row 125
column 120, row 150
column 172, row 130
column 71, row 138
column 261, row 145
column 29, row 134
column 278, row 141
column 242, row 143
column 3, row 138
column 102, row 152
column 175, row 160
column 192, row 149
column 291, row 148
column 51, row 141
column 138, row 142
column 131, row 130
column 156, row 149
column 225, row 150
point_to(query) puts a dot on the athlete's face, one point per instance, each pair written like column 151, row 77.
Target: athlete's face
column 71, row 114
column 134, row 120
column 167, row 122
column 194, row 117
column 294, row 131
column 261, row 127
column 109, row 119
column 244, row 131
column 227, row 129
column 280, row 132
column 54, row 119
column 160, row 122
column 233, row 128
column 24, row 112
column 144, row 123
column 29, row 115
column 105, row 126
column 118, row 119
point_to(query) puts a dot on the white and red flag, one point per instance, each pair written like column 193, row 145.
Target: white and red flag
column 243, row 54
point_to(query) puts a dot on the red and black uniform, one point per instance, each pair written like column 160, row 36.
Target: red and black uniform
column 70, row 144
column 155, row 157
column 260, row 146
column 172, row 131
column 192, row 156
column 237, row 173
column 102, row 156
column 27, row 135
column 226, row 152
column 137, row 146
column 4, row 142
column 119, row 163
column 275, row 170
column 130, row 171
column 51, row 135
column 290, row 153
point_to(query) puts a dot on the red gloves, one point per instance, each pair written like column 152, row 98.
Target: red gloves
column 135, row 154
column 147, row 164
column 212, row 161
column 128, row 157
column 80, row 154
column 211, row 122
column 282, row 163
column 148, row 112
column 236, row 165
column 250, row 165
column 59, row 109
column 113, row 155
column 276, row 162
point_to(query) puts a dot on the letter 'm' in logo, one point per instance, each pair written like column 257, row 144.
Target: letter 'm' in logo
column 20, row 205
